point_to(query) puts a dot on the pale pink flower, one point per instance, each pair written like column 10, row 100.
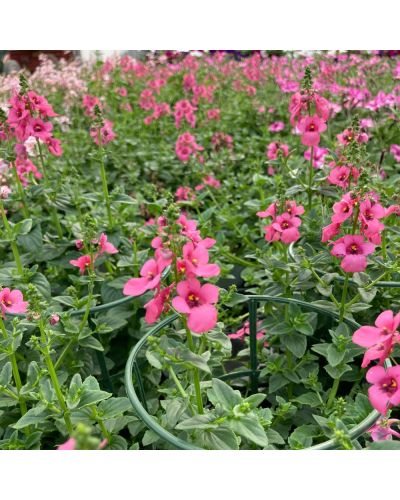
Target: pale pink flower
column 150, row 278
column 12, row 301
column 385, row 391
column 352, row 249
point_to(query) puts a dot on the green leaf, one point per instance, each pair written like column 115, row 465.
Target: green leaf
column 367, row 295
column 195, row 360
column 255, row 400
column 219, row 439
column 154, row 359
column 22, row 227
column 91, row 343
column 117, row 443
column 274, row 437
column 337, row 371
column 34, row 416
column 150, row 437
column 302, row 437
column 335, row 357
column 197, row 422
column 114, row 407
column 250, row 429
column 308, row 399
column 91, row 397
column 6, row 374
column 223, row 394
column 32, row 242
column 276, row 381
column 296, row 343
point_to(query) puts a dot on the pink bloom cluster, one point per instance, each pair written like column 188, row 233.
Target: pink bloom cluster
column 245, row 330
column 12, row 301
column 184, row 110
column 274, row 148
column 104, row 134
column 342, row 175
column 27, row 118
column 219, row 140
column 85, row 261
column 384, row 393
column 89, row 102
column 284, row 225
column 184, row 193
column 318, row 156
column 186, row 147
column 348, row 135
column 188, row 253
column 353, row 248
column 208, row 180
column 310, row 126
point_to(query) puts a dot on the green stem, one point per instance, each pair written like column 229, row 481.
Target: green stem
column 14, row 246
column 54, row 378
column 333, row 392
column 53, row 211
column 21, row 193
column 196, row 376
column 343, row 301
column 104, row 181
column 15, row 370
column 180, row 388
column 310, row 178
column 99, row 420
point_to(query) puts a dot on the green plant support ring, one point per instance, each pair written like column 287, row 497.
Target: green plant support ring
column 138, row 401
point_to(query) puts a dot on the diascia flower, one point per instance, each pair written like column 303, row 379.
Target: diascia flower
column 310, row 128
column 197, row 302
column 12, row 301
column 150, row 279
column 385, row 391
column 382, row 431
column 284, row 226
column 352, row 249
column 379, row 339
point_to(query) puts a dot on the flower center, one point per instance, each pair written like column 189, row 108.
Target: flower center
column 390, row 387
column 285, row 225
column 353, row 248
column 193, row 299
column 311, row 127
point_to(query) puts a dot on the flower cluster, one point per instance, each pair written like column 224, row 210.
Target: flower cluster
column 86, row 261
column 285, row 223
column 186, row 147
column 365, row 213
column 27, row 118
column 181, row 247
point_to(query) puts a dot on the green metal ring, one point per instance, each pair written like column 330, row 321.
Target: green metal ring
column 382, row 284
column 131, row 365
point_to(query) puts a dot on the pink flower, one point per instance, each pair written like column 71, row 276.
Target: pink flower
column 269, row 212
column 395, row 151
column 54, row 146
column 379, row 339
column 382, row 431
column 151, row 276
column 196, row 261
column 342, row 209
column 197, row 302
column 318, row 157
column 353, row 250
column 105, row 246
column 214, row 114
column 68, row 445
column 82, row 262
column 342, row 176
column 40, row 129
column 274, row 148
column 328, row 232
column 157, row 305
column 12, row 301
column 245, row 330
column 106, row 133
column 286, row 226
column 370, row 213
column 276, row 127
column 310, row 128
column 385, row 391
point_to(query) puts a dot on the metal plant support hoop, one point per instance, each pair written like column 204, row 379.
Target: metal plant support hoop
column 138, row 399
column 382, row 284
